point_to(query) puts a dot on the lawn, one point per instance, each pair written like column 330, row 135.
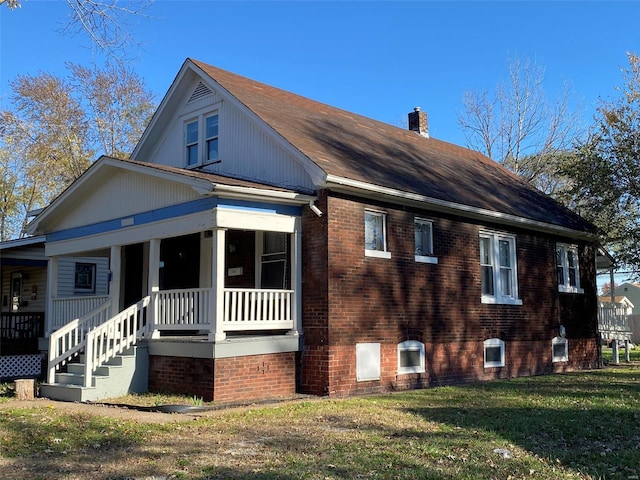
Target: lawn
column 572, row 426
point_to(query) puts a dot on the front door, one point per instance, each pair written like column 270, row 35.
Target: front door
column 133, row 274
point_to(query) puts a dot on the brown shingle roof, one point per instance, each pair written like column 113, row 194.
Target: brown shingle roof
column 348, row 145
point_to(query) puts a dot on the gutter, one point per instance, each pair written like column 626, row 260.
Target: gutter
column 368, row 190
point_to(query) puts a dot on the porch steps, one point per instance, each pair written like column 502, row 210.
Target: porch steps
column 126, row 373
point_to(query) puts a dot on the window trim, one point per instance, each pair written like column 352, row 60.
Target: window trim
column 493, row 343
column 384, row 253
column 431, row 258
column 498, row 297
column 558, row 341
column 201, row 145
column 408, row 346
column 93, row 273
column 564, row 248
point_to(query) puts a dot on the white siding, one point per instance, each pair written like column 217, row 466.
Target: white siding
column 247, row 148
column 66, row 275
column 126, row 193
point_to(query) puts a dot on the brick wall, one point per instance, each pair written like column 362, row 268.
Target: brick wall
column 234, row 379
column 365, row 299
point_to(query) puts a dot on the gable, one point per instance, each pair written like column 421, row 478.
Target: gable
column 248, row 149
column 122, row 194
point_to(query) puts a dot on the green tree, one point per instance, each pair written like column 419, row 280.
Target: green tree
column 606, row 171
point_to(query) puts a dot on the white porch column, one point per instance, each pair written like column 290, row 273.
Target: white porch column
column 154, row 283
column 296, row 279
column 115, row 268
column 216, row 299
column 52, row 293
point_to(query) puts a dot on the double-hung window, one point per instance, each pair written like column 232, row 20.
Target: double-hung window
column 191, row 141
column 201, row 140
column 423, row 241
column 211, row 134
column 499, row 276
column 567, row 268
column 375, row 236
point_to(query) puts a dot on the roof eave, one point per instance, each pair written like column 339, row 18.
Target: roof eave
column 364, row 189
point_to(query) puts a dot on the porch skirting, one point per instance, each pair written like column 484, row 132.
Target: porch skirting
column 231, row 379
column 232, row 370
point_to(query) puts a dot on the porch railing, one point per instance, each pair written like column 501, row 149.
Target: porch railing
column 114, row 336
column 67, row 309
column 613, row 321
column 67, row 342
column 251, row 309
column 182, row 309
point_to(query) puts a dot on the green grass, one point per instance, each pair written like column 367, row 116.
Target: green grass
column 634, row 354
column 573, row 426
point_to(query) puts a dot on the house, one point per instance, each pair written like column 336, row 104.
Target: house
column 23, row 290
column 260, row 243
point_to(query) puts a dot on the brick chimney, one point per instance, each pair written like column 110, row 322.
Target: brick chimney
column 418, row 122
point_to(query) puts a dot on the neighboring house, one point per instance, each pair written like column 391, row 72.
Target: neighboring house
column 23, row 292
column 260, row 244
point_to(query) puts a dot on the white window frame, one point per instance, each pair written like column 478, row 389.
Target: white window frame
column 411, row 346
column 494, row 343
column 559, row 341
column 379, row 253
column 562, row 262
column 88, row 276
column 208, row 139
column 202, row 142
column 498, row 296
column 429, row 258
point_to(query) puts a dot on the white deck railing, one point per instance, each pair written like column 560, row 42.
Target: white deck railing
column 72, row 308
column 613, row 320
column 102, row 336
column 182, row 309
column 67, row 341
column 251, row 309
column 114, row 336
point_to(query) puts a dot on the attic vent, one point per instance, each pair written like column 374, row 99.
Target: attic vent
column 201, row 91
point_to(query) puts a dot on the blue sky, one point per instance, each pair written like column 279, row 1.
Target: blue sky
column 378, row 59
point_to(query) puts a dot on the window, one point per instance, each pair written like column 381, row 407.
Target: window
column 212, row 137
column 423, row 233
column 499, row 277
column 567, row 268
column 273, row 271
column 411, row 357
column 192, row 143
column 85, row 278
column 560, row 349
column 375, row 238
column 202, row 131
column 493, row 353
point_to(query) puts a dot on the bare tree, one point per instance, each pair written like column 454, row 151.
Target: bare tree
column 107, row 22
column 518, row 127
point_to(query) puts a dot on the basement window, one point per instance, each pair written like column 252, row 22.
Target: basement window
column 411, row 357
column 493, row 353
column 560, row 349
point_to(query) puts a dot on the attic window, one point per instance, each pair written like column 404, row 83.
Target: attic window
column 201, row 91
